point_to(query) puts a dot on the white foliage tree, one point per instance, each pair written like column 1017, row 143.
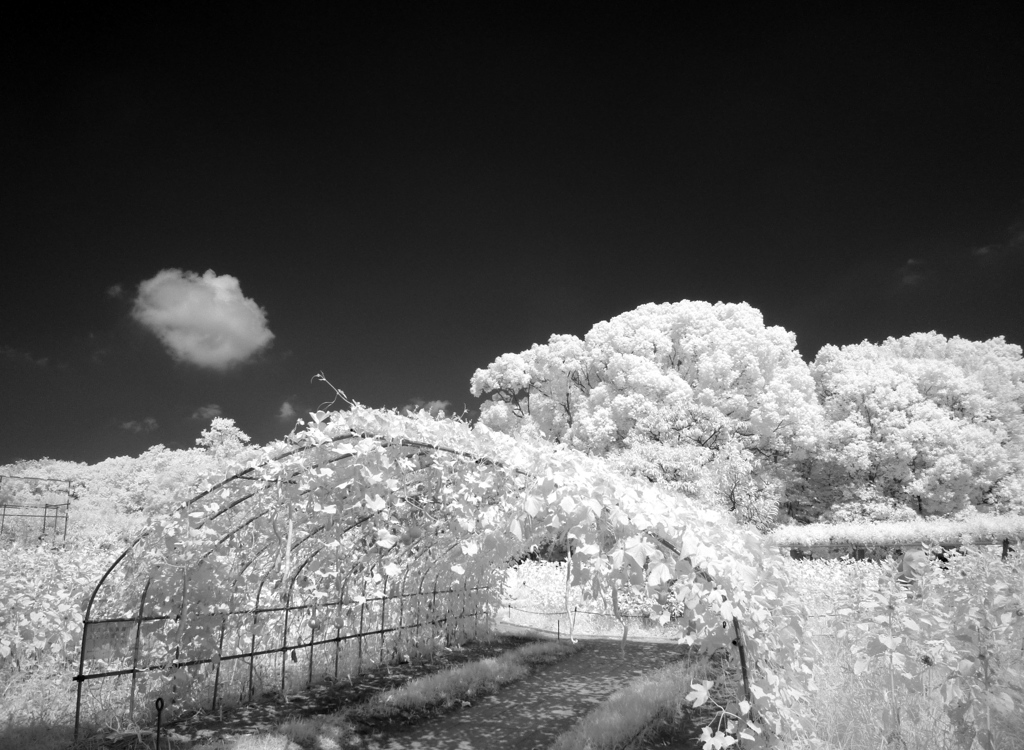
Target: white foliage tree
column 704, row 398
column 919, row 425
column 223, row 439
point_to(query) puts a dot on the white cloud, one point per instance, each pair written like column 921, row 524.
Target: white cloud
column 203, row 320
column 145, row 425
column 287, row 411
column 116, row 291
column 207, row 412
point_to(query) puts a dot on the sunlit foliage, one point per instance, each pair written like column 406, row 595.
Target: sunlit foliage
column 365, row 501
column 920, row 425
column 701, row 398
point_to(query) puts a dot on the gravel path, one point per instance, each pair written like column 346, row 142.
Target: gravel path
column 531, row 713
column 525, row 715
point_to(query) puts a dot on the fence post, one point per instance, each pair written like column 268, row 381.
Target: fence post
column 284, row 635
column 383, row 618
column 462, row 613
column 135, row 653
column 741, row 646
column 359, row 638
column 401, row 615
column 220, row 647
column 252, row 644
column 337, row 637
column 312, row 638
column 337, row 630
column 448, row 618
column 433, row 619
column 67, row 510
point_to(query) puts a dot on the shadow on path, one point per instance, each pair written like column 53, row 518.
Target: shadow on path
column 531, row 713
column 266, row 715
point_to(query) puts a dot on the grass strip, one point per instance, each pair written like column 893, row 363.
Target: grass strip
column 452, row 687
column 424, row 696
column 644, row 704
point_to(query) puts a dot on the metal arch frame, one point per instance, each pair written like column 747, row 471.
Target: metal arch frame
column 658, row 538
column 429, row 615
column 45, row 507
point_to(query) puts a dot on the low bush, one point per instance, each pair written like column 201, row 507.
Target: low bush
column 937, row 663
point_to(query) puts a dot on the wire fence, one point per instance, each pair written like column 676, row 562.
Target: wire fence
column 332, row 637
column 576, row 611
column 48, row 500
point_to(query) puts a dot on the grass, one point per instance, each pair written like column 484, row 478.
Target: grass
column 647, row 707
column 427, row 696
column 259, row 742
column 418, row 699
column 445, row 690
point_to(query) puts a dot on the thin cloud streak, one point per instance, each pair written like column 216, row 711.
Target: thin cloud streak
column 140, row 426
column 208, row 412
column 19, row 357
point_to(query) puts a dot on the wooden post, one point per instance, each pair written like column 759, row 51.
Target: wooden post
column 743, row 666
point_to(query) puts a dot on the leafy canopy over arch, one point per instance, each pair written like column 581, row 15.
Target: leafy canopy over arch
column 362, row 497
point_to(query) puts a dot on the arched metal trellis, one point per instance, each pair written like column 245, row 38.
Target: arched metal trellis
column 371, row 536
column 329, row 555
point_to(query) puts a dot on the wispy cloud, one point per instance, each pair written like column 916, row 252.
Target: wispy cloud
column 432, row 407
column 912, row 272
column 205, row 413
column 286, row 412
column 18, row 357
column 139, row 426
column 116, row 291
column 1011, row 248
column 203, row 320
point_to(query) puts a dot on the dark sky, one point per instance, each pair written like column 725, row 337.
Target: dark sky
column 407, row 196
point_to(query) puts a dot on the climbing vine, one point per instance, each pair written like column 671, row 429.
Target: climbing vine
column 365, row 503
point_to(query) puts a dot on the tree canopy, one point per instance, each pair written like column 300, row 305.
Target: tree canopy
column 918, row 425
column 704, row 398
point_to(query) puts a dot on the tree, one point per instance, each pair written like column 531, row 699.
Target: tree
column 152, row 481
column 919, row 425
column 704, row 398
column 223, row 439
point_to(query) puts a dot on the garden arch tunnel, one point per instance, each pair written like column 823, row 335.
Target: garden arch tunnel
column 372, row 536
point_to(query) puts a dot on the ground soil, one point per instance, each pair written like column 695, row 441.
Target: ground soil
column 533, row 712
column 525, row 715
